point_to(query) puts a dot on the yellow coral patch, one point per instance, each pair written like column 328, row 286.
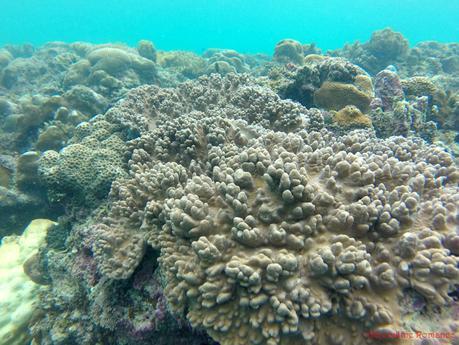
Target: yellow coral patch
column 351, row 116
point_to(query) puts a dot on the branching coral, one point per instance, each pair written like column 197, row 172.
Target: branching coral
column 290, row 241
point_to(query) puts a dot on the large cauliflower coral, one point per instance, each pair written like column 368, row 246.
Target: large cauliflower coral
column 284, row 237
column 281, row 239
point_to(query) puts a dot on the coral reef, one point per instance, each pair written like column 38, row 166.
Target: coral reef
column 147, row 50
column 279, row 237
column 407, row 118
column 351, row 117
column 178, row 66
column 413, row 106
column 224, row 61
column 45, row 94
column 106, row 63
column 432, row 59
column 7, row 169
column 388, row 89
column 385, row 47
column 85, row 78
column 288, row 51
column 81, row 307
column 22, row 197
column 325, row 82
column 335, row 96
column 442, row 103
column 243, row 199
column 311, row 49
column 82, row 172
column 17, row 209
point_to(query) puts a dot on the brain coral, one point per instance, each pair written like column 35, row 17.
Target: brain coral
column 272, row 230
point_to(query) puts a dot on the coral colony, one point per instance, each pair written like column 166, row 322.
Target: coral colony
column 232, row 199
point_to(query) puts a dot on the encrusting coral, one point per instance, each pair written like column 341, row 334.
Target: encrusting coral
column 270, row 229
column 83, row 171
column 351, row 117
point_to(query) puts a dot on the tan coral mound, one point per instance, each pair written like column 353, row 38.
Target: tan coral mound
column 306, row 247
column 288, row 51
column 272, row 237
column 335, row 96
column 351, row 117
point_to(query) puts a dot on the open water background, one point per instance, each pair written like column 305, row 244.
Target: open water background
column 244, row 25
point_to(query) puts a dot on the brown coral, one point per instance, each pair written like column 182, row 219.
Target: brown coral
column 335, row 96
column 325, row 82
column 289, row 51
column 284, row 238
column 351, row 117
column 261, row 254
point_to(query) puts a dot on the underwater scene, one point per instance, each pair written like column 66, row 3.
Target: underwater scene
column 229, row 172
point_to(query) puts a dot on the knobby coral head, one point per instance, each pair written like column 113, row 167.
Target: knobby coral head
column 270, row 228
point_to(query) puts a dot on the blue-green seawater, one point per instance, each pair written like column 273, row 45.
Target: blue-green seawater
column 244, row 25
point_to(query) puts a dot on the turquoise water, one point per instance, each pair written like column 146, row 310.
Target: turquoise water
column 244, row 25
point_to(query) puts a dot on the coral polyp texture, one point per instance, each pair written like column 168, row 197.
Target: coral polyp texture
column 271, row 229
